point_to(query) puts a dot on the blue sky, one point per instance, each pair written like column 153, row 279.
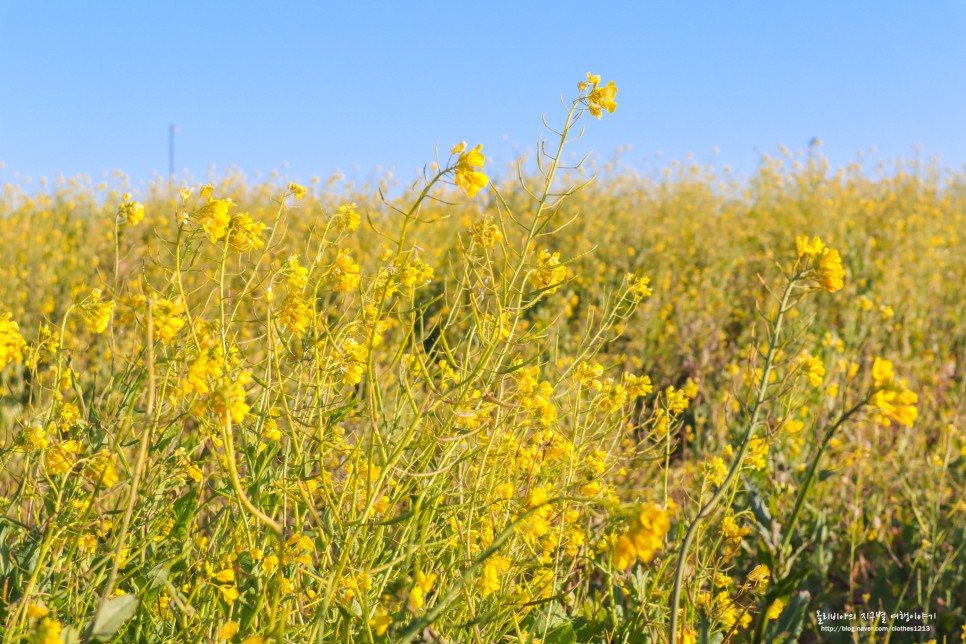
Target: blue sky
column 309, row 87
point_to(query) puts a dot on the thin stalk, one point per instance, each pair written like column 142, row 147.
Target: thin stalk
column 723, row 489
column 146, row 437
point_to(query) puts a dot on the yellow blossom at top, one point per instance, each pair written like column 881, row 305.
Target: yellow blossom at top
column 492, row 576
column 344, row 272
column 638, row 287
column 775, row 610
column 587, row 375
column 732, row 530
column 715, row 471
column 37, row 610
column 638, row 386
column 295, row 314
column 599, row 98
column 298, row 191
column 102, row 470
column 227, row 400
column 228, row 630
column 468, row 173
column 167, row 320
column 295, row 275
column 130, row 212
column 380, row 621
column 821, row 263
column 214, row 217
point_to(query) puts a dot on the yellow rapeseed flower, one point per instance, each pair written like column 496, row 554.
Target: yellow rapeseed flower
column 214, row 217
column 102, row 470
column 467, row 172
column 644, row 536
column 245, row 234
column 130, row 212
column 347, row 218
column 549, row 274
column 46, row 632
column 820, row 263
column 599, row 98
column 96, row 314
column 295, row 314
column 298, row 191
column 344, row 272
column 11, row 342
column 891, row 398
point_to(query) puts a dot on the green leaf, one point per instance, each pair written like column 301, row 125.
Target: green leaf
column 554, row 626
column 116, row 611
column 705, row 636
column 70, row 635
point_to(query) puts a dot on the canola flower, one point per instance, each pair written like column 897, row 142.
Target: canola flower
column 11, row 342
column 214, row 217
column 822, row 264
column 96, row 313
column 468, row 171
column 130, row 212
column 598, row 99
column 549, row 273
column 347, row 219
column 643, row 538
column 891, row 398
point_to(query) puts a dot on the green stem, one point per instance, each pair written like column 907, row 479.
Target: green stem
column 135, row 481
column 723, row 489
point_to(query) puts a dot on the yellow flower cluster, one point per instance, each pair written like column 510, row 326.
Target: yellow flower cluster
column 813, row 368
column 227, row 399
column 102, row 471
column 347, row 219
column 297, row 190
column 549, row 274
column 130, row 212
column 486, row 233
column 494, row 568
column 599, row 98
column 467, row 173
column 244, row 234
column 11, row 342
column 891, row 397
column 295, row 314
column 644, row 536
column 422, row 587
column 639, row 287
column 167, row 319
column 214, row 217
column 344, row 273
column 96, row 313
column 820, row 263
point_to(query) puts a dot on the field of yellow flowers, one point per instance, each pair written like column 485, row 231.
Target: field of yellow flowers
column 567, row 406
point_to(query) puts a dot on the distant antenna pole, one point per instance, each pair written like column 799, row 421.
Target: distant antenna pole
column 171, row 130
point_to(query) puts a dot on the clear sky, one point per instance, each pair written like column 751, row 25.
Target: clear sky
column 309, row 87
